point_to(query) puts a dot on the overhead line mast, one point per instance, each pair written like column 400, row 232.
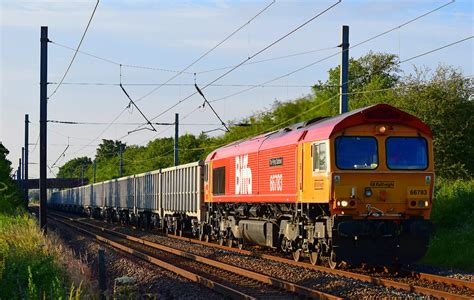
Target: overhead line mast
column 43, row 124
column 344, row 70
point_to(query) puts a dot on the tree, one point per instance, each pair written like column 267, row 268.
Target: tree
column 10, row 197
column 73, row 168
column 108, row 149
column 444, row 100
column 374, row 71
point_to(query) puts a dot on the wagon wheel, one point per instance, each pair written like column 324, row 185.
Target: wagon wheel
column 229, row 242
column 220, row 241
column 314, row 256
column 297, row 254
column 240, row 244
column 180, row 232
column 332, row 262
column 206, row 238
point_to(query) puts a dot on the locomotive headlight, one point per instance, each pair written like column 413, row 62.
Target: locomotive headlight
column 426, row 203
column 344, row 203
column 368, row 192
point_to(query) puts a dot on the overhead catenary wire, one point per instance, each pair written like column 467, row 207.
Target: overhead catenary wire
column 124, row 65
column 267, row 60
column 131, row 124
column 181, row 84
column 209, row 51
column 75, row 53
column 252, row 56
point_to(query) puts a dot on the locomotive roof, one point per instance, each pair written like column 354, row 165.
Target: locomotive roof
column 320, row 129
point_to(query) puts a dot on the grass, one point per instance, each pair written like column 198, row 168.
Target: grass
column 453, row 217
column 30, row 263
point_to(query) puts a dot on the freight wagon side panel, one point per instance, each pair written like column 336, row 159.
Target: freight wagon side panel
column 124, row 192
column 146, row 191
column 182, row 190
column 86, row 195
column 98, row 195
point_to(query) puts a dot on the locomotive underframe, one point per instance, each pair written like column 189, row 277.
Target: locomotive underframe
column 309, row 229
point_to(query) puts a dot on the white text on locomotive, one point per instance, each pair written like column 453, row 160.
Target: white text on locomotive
column 243, row 175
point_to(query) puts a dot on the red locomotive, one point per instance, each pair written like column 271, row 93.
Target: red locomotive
column 355, row 187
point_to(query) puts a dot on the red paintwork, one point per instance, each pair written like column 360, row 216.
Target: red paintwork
column 284, row 144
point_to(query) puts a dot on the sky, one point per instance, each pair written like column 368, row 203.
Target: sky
column 164, row 37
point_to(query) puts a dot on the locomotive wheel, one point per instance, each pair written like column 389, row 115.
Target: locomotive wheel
column 332, row 260
column 297, row 255
column 314, row 256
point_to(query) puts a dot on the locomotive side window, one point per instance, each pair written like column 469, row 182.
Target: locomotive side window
column 218, row 181
column 319, row 157
column 206, row 173
column 356, row 153
column 407, row 153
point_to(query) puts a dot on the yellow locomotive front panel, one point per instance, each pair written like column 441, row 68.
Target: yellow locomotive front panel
column 381, row 188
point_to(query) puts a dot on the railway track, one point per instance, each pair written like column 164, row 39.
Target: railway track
column 443, row 284
column 419, row 283
column 229, row 280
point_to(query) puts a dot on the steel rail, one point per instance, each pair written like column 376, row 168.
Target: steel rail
column 275, row 282
column 220, row 288
column 366, row 278
column 441, row 279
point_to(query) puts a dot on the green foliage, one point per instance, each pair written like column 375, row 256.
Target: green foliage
column 73, row 168
column 109, row 149
column 10, row 199
column 28, row 267
column 444, row 102
column 453, row 217
column 442, row 99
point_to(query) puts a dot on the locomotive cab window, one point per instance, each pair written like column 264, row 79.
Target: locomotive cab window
column 356, row 153
column 407, row 153
column 319, row 157
column 218, row 181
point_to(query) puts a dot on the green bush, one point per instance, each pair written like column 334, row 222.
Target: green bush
column 453, row 218
column 28, row 267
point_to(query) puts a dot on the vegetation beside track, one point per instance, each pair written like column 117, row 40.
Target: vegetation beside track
column 32, row 265
column 453, row 217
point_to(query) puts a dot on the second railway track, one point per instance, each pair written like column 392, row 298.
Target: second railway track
column 444, row 288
